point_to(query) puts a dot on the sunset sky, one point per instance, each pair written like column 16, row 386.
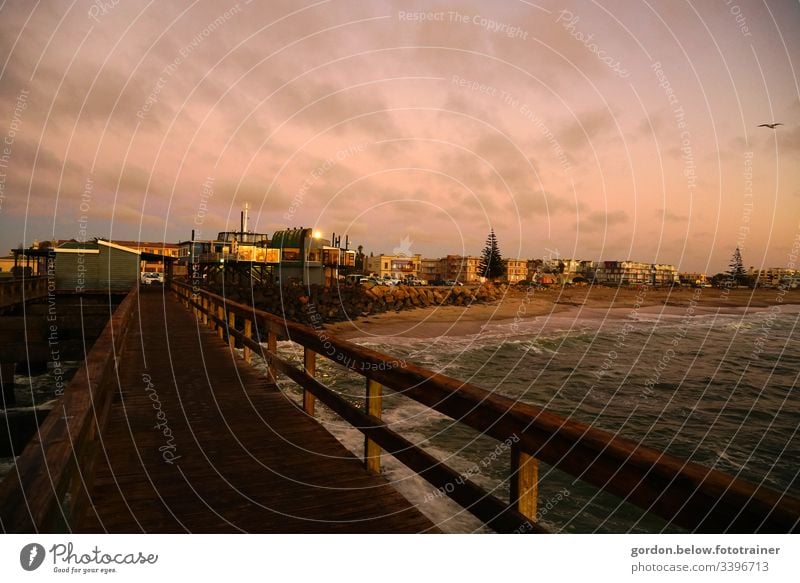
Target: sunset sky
column 595, row 130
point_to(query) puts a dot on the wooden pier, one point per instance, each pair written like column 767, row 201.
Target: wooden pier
column 167, row 429
column 14, row 292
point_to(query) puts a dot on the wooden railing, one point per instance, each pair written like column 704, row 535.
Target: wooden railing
column 48, row 490
column 17, row 290
column 683, row 493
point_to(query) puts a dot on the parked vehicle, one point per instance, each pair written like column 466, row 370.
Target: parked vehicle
column 453, row 283
column 150, row 277
column 414, row 281
column 356, row 279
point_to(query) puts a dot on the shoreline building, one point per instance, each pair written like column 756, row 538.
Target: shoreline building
column 635, row 273
column 563, row 271
column 463, row 268
column 776, row 277
column 516, row 270
column 429, row 270
column 151, row 248
column 694, row 279
column 664, row 274
column 96, row 266
column 300, row 259
column 395, row 266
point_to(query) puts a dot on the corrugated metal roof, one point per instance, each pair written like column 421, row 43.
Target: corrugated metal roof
column 79, row 245
column 289, row 239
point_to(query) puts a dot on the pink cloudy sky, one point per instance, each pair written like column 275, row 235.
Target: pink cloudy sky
column 602, row 130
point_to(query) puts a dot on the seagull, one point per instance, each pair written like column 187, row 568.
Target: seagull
column 770, row 125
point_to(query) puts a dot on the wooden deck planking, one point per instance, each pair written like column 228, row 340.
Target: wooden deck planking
column 249, row 461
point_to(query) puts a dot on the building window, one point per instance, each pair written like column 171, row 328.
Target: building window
column 292, row 254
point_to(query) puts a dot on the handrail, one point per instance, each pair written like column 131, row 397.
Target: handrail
column 681, row 492
column 49, row 488
column 15, row 291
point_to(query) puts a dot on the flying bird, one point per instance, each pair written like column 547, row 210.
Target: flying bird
column 770, row 125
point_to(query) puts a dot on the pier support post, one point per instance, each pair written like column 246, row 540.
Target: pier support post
column 212, row 309
column 248, row 332
column 231, row 326
column 310, row 365
column 272, row 348
column 373, row 405
column 524, row 489
column 7, row 380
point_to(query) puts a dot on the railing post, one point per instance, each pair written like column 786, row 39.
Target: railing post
column 231, row 326
column 248, row 331
column 272, row 348
column 524, row 487
column 220, row 325
column 373, row 405
column 310, row 364
column 205, row 310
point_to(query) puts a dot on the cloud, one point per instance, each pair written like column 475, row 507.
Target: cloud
column 600, row 220
column 669, row 216
column 589, row 129
column 543, row 204
column 791, row 139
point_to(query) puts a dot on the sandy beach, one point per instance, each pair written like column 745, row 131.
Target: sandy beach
column 576, row 302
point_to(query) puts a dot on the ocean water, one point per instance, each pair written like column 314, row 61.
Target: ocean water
column 716, row 388
column 37, row 390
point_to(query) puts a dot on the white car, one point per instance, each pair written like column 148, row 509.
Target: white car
column 149, row 277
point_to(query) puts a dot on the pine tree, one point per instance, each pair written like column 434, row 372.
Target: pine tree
column 492, row 265
column 736, row 273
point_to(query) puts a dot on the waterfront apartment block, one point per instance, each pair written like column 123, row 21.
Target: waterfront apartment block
column 776, row 276
column 663, row 274
column 516, row 270
column 430, row 270
column 635, row 273
column 693, row 278
column 396, row 266
column 460, row 268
